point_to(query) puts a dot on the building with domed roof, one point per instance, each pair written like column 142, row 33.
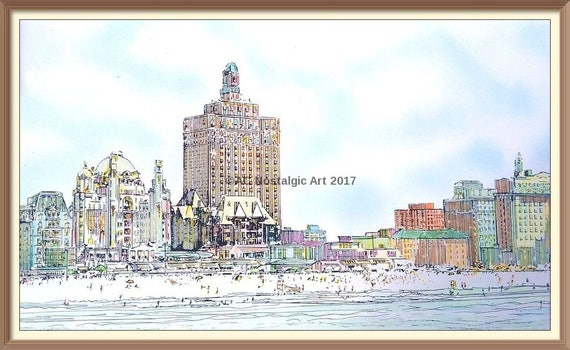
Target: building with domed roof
column 230, row 150
column 113, row 212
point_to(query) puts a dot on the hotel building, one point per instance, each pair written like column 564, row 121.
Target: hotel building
column 433, row 247
column 472, row 211
column 230, row 150
column 45, row 233
column 114, row 217
column 421, row 216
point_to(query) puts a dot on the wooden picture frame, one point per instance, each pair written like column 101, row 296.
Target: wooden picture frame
column 285, row 340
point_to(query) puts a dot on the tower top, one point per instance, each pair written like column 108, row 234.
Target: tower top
column 230, row 83
column 518, row 165
column 231, row 67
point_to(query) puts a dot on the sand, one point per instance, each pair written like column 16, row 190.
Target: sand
column 196, row 285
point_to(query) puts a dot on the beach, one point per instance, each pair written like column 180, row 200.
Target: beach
column 198, row 285
column 417, row 300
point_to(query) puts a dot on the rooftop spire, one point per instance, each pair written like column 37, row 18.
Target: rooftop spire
column 518, row 165
column 230, row 83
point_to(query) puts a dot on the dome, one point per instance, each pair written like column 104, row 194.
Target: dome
column 231, row 67
column 123, row 164
column 85, row 172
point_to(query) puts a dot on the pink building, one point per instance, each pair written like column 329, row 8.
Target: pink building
column 422, row 216
column 345, row 249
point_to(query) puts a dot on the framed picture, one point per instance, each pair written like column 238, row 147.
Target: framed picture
column 287, row 174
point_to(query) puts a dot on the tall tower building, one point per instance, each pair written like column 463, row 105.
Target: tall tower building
column 231, row 150
column 472, row 211
column 523, row 216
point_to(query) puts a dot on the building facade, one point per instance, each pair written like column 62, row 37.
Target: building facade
column 192, row 223
column 112, row 211
column 472, row 211
column 306, row 244
column 422, row 216
column 434, row 247
column 161, row 214
column 379, row 246
column 314, row 242
column 531, row 215
column 345, row 250
column 231, row 150
column 45, row 233
column 523, row 216
column 243, row 223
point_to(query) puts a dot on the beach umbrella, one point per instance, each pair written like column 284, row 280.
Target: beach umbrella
column 130, row 281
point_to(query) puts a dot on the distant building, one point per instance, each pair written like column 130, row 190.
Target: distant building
column 504, row 206
column 345, row 250
column 315, row 239
column 523, row 216
column 433, row 247
column 379, row 247
column 161, row 211
column 305, row 244
column 192, row 225
column 531, row 215
column 421, row 216
column 380, row 239
column 243, row 221
column 290, row 236
column 113, row 213
column 230, row 150
column 472, row 211
column 45, row 233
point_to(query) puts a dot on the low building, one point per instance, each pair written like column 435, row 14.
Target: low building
column 344, row 250
column 243, row 221
column 315, row 239
column 308, row 244
column 379, row 248
column 433, row 247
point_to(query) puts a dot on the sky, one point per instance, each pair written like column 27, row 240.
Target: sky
column 406, row 107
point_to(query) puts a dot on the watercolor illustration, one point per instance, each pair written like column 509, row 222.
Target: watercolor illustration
column 285, row 175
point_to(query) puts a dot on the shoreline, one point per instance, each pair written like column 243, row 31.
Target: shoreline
column 187, row 286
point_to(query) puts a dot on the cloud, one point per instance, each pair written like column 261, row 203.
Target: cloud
column 36, row 144
column 408, row 107
column 502, row 48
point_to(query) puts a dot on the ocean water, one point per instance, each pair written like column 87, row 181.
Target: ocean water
column 515, row 308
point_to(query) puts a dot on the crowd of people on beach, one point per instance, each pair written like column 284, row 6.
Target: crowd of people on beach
column 191, row 285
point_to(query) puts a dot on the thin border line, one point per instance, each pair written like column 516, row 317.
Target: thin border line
column 8, row 6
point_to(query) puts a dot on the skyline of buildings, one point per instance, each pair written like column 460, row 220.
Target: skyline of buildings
column 451, row 88
column 231, row 206
column 113, row 218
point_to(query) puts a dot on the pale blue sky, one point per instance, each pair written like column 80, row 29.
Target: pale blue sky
column 408, row 107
